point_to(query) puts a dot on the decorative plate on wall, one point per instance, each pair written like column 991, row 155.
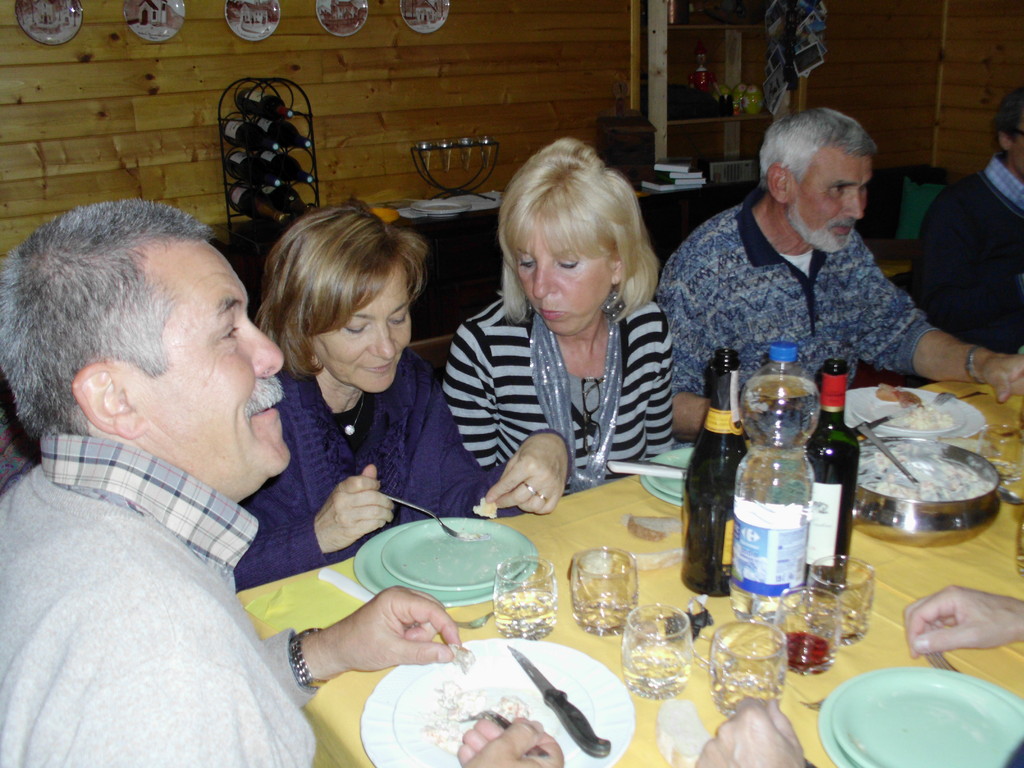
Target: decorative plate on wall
column 342, row 17
column 252, row 19
column 154, row 20
column 50, row 22
column 425, row 15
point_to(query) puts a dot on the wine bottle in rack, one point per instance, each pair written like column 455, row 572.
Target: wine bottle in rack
column 251, row 169
column 288, row 200
column 254, row 203
column 256, row 101
column 286, row 167
column 284, row 133
column 249, row 136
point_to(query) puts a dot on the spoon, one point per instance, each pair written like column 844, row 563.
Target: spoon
column 450, row 531
column 865, row 430
column 1008, row 496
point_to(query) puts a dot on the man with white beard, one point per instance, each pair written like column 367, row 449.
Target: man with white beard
column 787, row 264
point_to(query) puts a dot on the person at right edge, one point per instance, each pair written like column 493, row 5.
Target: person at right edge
column 788, row 264
column 972, row 279
column 954, row 617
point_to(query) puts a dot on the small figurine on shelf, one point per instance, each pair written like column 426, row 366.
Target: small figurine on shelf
column 702, row 79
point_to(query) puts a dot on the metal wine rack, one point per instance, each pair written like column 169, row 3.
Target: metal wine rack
column 257, row 233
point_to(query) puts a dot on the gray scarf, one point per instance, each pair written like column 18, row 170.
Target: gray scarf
column 551, row 380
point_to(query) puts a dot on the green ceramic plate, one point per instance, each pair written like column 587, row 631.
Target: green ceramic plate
column 423, row 555
column 665, row 489
column 371, row 573
column 910, row 717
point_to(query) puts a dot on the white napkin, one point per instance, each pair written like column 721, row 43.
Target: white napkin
column 345, row 584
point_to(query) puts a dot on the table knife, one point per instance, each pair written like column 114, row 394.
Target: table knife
column 650, row 468
column 574, row 721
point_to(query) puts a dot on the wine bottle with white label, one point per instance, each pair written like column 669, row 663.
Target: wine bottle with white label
column 834, row 453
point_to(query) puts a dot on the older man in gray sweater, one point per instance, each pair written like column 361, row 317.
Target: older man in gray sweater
column 125, row 338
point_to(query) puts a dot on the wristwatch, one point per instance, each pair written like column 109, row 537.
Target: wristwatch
column 298, row 662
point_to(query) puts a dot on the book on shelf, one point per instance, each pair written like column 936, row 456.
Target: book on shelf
column 681, row 174
column 679, row 164
column 653, row 186
column 678, row 177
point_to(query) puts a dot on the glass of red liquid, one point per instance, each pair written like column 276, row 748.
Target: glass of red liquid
column 812, row 620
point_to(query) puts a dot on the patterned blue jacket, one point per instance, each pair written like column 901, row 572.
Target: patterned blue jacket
column 725, row 286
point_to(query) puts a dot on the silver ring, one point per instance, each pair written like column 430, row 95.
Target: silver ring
column 535, row 492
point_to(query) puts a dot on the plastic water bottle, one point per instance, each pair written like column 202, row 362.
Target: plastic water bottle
column 774, row 484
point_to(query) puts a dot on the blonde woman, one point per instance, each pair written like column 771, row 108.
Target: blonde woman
column 574, row 344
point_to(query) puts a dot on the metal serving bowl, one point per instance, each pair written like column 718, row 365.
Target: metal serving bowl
column 930, row 523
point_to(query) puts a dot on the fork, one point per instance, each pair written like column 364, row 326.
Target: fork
column 942, row 399
column 939, row 661
column 450, row 531
column 503, row 723
column 815, row 705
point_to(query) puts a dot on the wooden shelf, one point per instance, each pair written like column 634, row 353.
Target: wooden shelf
column 658, row 52
column 723, row 119
column 719, row 27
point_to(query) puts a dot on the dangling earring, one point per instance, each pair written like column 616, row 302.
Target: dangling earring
column 613, row 304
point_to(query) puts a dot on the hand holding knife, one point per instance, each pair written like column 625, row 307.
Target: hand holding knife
column 574, row 721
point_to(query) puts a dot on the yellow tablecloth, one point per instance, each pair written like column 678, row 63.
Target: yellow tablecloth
column 593, row 518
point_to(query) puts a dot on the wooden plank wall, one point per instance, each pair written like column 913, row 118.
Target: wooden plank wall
column 923, row 77
column 108, row 115
column 984, row 60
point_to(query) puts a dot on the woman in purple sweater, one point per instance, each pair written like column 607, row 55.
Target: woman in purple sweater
column 363, row 415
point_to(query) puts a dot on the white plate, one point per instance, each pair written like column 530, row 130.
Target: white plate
column 404, row 700
column 439, row 207
column 252, row 20
column 50, row 23
column 154, row 23
column 342, row 19
column 863, row 405
column 425, row 17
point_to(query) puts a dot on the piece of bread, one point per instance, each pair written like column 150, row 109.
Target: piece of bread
column 652, row 528
column 652, row 561
column 679, row 733
column 464, row 657
column 485, row 509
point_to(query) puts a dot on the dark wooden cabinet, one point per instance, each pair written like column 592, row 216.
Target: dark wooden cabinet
column 464, row 269
column 465, row 260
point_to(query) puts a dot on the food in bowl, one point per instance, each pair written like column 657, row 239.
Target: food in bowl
column 896, row 518
column 941, row 477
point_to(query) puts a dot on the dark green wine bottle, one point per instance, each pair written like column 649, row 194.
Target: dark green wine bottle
column 834, row 453
column 711, row 483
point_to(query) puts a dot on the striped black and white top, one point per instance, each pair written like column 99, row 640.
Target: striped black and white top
column 489, row 386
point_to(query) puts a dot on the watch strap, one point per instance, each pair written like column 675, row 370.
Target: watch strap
column 298, row 661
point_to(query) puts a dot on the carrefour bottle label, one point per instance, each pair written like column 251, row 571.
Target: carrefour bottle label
column 769, row 546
